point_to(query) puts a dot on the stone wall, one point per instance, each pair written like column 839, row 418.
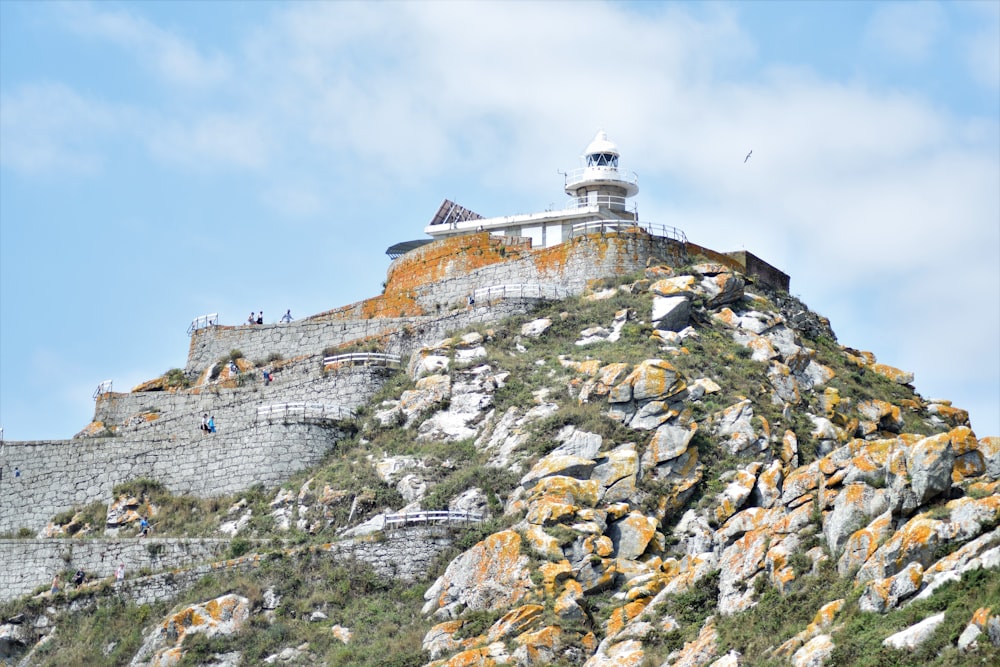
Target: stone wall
column 437, row 278
column 312, row 336
column 27, row 564
column 403, row 554
column 179, row 413
column 61, row 474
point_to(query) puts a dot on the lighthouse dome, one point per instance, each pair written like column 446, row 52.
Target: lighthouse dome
column 601, row 144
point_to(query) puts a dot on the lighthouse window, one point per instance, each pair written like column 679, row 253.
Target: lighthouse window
column 602, row 160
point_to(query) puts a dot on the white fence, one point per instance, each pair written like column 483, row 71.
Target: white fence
column 519, row 291
column 203, row 322
column 103, row 388
column 436, row 517
column 616, row 226
column 364, row 359
column 285, row 411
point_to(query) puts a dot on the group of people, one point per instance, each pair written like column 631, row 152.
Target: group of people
column 207, row 425
column 258, row 318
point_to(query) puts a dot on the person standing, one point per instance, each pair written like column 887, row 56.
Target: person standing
column 119, row 574
column 252, row 319
column 260, row 317
column 211, row 424
column 287, row 317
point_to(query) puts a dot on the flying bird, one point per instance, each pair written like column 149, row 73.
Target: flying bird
column 747, row 157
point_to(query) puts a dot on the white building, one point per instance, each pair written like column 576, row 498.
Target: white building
column 599, row 193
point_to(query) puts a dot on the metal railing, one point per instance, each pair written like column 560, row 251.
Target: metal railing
column 103, row 388
column 364, row 359
column 520, row 291
column 608, row 201
column 435, row 517
column 203, row 322
column 599, row 173
column 618, row 226
column 301, row 410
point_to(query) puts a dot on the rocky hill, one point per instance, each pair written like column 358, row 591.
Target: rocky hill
column 677, row 467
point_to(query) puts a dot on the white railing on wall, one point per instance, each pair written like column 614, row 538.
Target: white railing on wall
column 103, row 388
column 203, row 322
column 608, row 201
column 302, row 410
column 575, row 177
column 519, row 291
column 617, row 226
column 364, row 359
column 433, row 517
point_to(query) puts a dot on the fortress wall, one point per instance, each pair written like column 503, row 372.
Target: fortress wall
column 570, row 265
column 58, row 475
column 310, row 337
column 27, row 564
column 179, row 413
column 301, row 337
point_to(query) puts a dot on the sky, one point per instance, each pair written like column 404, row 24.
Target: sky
column 164, row 160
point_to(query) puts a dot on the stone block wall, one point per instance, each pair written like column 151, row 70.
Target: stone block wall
column 311, row 337
column 178, row 564
column 179, row 413
column 61, row 474
column 27, row 564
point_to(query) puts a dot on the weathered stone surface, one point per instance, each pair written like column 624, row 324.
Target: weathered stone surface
column 854, row 506
column 559, row 464
column 739, row 563
column 577, row 443
column 814, row 653
column 929, row 465
column 735, row 494
column 863, row 543
column 617, row 473
column 632, row 534
column 536, row 328
column 915, row 635
column 702, row 650
column 671, row 313
column 222, row 616
column 651, row 379
column 885, row 594
column 491, row 575
column 668, row 442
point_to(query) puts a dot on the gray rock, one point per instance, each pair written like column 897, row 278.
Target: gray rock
column 915, row 635
column 671, row 313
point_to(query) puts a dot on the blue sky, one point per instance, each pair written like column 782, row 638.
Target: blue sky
column 160, row 161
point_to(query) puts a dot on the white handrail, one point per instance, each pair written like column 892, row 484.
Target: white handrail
column 519, row 291
column 614, row 226
column 436, row 516
column 364, row 358
column 304, row 410
column 202, row 322
column 103, row 388
column 599, row 172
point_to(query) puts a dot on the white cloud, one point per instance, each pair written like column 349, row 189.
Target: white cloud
column 212, row 140
column 172, row 57
column 48, row 127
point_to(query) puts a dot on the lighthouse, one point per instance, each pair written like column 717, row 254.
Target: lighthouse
column 599, row 194
column 602, row 182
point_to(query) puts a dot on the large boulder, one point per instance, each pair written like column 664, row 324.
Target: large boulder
column 493, row 574
column 929, row 465
column 915, row 635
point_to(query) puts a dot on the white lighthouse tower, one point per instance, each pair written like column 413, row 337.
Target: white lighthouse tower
column 601, row 182
column 599, row 192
